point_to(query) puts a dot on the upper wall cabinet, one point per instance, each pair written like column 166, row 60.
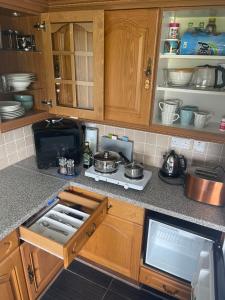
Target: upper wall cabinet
column 74, row 60
column 130, row 47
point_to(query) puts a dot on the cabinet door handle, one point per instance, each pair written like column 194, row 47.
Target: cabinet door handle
column 47, row 102
column 31, row 272
column 170, row 292
column 89, row 233
column 148, row 73
column 148, row 70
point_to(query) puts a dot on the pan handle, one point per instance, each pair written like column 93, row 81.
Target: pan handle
column 125, row 159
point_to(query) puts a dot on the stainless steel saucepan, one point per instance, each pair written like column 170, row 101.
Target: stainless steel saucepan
column 106, row 161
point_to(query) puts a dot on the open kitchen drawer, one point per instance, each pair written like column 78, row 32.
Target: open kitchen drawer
column 64, row 227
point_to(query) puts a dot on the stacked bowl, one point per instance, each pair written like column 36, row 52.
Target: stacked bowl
column 19, row 81
column 11, row 110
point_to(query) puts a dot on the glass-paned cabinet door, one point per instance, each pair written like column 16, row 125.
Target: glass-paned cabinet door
column 74, row 60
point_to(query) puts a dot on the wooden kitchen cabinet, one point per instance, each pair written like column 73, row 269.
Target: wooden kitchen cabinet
column 74, row 58
column 130, row 52
column 116, row 245
column 165, row 283
column 12, row 280
column 40, row 268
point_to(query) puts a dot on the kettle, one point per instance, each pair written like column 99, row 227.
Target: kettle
column 174, row 165
column 209, row 77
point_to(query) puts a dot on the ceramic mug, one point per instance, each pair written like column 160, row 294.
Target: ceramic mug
column 169, row 118
column 170, row 105
column 201, row 119
column 187, row 114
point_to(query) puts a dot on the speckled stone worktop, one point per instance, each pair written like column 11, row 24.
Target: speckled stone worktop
column 22, row 194
column 25, row 189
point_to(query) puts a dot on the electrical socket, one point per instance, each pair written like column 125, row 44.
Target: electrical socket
column 199, row 146
column 181, row 143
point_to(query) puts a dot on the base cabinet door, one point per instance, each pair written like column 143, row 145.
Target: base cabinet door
column 130, row 46
column 12, row 280
column 116, row 245
column 40, row 268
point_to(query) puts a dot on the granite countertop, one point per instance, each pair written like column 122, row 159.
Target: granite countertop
column 33, row 187
column 23, row 193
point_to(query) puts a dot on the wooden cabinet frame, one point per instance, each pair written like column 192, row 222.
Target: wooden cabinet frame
column 97, row 17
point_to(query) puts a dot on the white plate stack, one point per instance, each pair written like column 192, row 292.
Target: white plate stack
column 11, row 110
column 20, row 81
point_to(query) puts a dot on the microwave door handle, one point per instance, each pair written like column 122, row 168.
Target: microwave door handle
column 219, row 272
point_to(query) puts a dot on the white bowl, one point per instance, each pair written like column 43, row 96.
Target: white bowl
column 20, row 85
column 180, row 77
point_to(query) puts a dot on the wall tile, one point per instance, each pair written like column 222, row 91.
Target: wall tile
column 150, row 150
column 129, row 133
column 214, row 149
column 1, row 139
column 150, row 147
column 162, row 140
column 8, row 137
column 10, row 148
column 27, row 130
column 19, row 133
column 139, row 136
column 151, row 138
column 16, row 145
column 139, row 147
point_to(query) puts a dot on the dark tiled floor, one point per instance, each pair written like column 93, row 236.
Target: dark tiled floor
column 81, row 282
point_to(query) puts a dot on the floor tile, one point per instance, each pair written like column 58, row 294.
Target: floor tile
column 112, row 296
column 130, row 292
column 70, row 286
column 90, row 273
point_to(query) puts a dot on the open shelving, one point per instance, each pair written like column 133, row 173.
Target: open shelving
column 210, row 99
column 197, row 57
column 29, row 118
column 191, row 89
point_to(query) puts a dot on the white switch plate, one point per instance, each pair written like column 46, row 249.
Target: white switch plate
column 181, row 143
column 199, row 146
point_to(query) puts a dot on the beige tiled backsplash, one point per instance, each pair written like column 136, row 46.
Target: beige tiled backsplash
column 149, row 147
column 16, row 145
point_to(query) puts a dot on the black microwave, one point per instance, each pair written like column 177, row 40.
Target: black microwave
column 55, row 138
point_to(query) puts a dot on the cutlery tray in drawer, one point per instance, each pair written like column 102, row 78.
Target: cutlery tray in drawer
column 63, row 228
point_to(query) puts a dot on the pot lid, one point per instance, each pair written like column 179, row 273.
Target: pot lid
column 134, row 166
column 107, row 156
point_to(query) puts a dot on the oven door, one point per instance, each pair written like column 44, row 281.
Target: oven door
column 208, row 281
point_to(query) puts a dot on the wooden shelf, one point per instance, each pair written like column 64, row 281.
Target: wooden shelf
column 29, row 118
column 209, row 133
column 202, row 57
column 19, row 51
column 214, row 92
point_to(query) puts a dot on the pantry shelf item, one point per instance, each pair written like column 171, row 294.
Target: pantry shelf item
column 11, row 110
column 178, row 76
column 19, row 81
column 209, row 76
column 27, row 101
column 201, row 119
